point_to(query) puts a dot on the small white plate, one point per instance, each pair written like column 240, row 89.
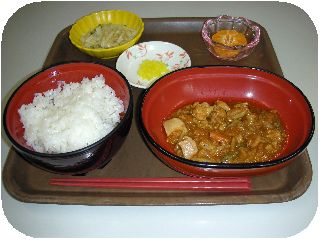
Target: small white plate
column 129, row 61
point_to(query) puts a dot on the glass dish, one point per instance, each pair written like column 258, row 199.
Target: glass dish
column 242, row 25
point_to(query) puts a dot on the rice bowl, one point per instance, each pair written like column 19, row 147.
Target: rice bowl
column 83, row 160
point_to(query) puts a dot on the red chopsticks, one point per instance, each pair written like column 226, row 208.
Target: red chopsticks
column 219, row 184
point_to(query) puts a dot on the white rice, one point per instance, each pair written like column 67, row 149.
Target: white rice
column 71, row 117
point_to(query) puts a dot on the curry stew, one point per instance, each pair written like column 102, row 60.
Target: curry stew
column 225, row 132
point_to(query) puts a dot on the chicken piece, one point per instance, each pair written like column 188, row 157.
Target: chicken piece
column 241, row 105
column 236, row 113
column 218, row 116
column 201, row 110
column 189, row 147
column 223, row 105
column 174, row 124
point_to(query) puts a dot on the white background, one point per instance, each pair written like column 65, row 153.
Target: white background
column 26, row 40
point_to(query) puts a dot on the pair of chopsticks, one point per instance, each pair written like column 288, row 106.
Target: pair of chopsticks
column 219, row 184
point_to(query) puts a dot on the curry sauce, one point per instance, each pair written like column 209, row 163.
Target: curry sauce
column 225, row 132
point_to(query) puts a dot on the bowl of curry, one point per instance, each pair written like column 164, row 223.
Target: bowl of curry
column 225, row 121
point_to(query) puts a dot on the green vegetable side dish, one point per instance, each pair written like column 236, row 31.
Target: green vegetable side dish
column 107, row 36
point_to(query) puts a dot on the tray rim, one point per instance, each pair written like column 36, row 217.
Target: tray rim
column 22, row 196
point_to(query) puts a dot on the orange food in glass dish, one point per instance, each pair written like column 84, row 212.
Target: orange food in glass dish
column 229, row 38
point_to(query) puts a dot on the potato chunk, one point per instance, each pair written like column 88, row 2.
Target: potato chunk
column 174, row 124
column 188, row 147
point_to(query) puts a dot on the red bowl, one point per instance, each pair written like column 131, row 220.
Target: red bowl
column 83, row 160
column 228, row 83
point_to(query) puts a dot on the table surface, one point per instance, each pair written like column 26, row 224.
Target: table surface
column 26, row 40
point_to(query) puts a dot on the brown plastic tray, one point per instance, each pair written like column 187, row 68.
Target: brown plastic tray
column 29, row 184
